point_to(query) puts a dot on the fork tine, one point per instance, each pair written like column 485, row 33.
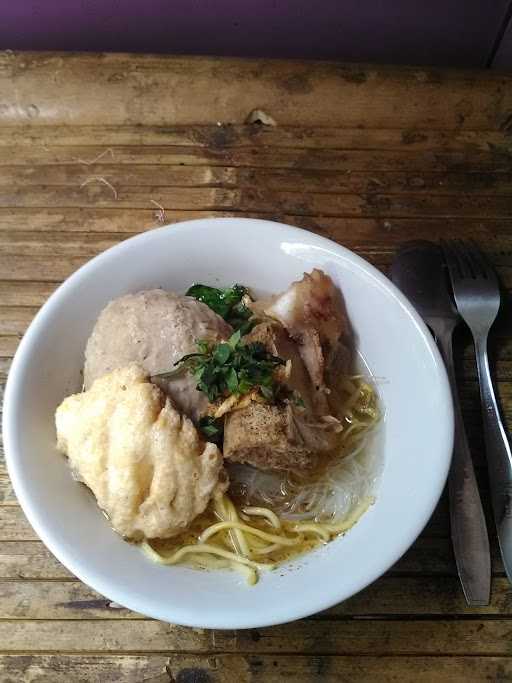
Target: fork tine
column 474, row 258
column 483, row 264
column 455, row 260
column 470, row 261
column 468, row 267
column 450, row 260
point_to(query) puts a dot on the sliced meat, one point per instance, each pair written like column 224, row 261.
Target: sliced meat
column 277, row 342
column 312, row 355
column 311, row 303
column 313, row 313
column 319, row 434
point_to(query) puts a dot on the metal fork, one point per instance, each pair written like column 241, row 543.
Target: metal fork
column 477, row 295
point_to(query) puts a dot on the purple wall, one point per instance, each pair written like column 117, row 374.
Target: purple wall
column 440, row 32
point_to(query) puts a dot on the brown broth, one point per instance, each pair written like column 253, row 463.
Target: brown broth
column 208, row 517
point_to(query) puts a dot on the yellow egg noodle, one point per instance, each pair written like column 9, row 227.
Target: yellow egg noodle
column 252, row 538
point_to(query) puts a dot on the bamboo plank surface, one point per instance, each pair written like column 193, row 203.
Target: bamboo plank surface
column 494, row 160
column 185, row 668
column 236, row 135
column 157, row 178
column 121, row 89
column 368, row 156
column 475, row 637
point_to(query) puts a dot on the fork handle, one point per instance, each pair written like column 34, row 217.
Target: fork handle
column 499, row 457
column 467, row 520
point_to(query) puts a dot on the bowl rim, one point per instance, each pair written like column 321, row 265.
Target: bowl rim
column 108, row 587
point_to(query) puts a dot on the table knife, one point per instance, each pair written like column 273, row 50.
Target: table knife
column 419, row 270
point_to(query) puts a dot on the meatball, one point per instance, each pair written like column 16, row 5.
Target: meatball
column 155, row 329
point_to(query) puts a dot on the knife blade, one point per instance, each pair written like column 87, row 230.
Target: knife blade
column 419, row 270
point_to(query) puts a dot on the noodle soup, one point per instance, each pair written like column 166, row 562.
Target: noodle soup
column 225, row 432
column 414, row 441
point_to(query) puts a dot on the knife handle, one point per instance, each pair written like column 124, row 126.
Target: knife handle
column 499, row 457
column 467, row 521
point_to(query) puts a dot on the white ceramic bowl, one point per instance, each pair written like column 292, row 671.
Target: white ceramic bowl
column 267, row 257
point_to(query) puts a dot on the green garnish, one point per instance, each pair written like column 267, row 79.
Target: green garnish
column 212, row 428
column 232, row 368
column 228, row 303
column 298, row 400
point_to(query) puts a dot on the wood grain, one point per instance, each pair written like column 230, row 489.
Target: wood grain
column 349, row 161
column 477, row 637
column 118, row 89
column 155, row 178
column 367, row 156
column 253, row 135
column 253, row 668
column 29, row 561
column 226, row 199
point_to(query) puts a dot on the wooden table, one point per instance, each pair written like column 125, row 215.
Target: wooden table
column 368, row 156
